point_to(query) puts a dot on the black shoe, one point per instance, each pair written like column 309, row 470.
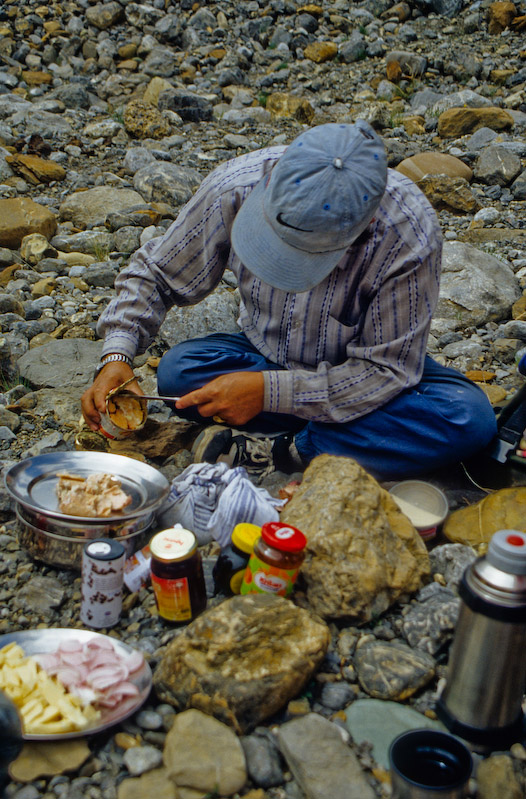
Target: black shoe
column 258, row 454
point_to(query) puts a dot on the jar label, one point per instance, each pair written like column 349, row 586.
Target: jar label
column 172, row 598
column 262, row 578
column 236, row 580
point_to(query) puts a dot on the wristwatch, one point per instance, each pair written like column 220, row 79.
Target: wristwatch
column 115, row 356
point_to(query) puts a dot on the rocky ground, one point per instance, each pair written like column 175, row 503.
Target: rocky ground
column 110, row 115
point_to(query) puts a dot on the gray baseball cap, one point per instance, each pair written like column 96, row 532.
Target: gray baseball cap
column 295, row 226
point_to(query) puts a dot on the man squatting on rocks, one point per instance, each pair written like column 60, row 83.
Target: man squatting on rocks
column 338, row 264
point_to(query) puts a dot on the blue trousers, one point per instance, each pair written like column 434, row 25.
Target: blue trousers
column 441, row 421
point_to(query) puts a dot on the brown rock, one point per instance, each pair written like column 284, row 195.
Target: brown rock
column 393, row 70
column 154, row 89
column 19, row 217
column 130, row 64
column 35, row 169
column 500, row 16
column 496, row 778
column 474, row 525
column 48, row 758
column 155, row 783
column 429, row 163
column 480, row 375
column 414, row 125
column 518, row 309
column 448, row 193
column 501, row 75
column 310, row 8
column 35, row 78
column 162, row 439
column 144, row 121
column 242, row 660
column 460, row 121
column 127, row 50
column 363, row 552
column 202, row 754
column 288, row 105
column 320, row 51
column 493, row 234
column 400, row 10
column 495, row 394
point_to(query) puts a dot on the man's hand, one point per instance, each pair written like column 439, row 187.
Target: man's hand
column 235, row 397
column 93, row 400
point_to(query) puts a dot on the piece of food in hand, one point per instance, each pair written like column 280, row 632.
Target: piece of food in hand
column 99, row 495
column 45, row 706
column 128, row 413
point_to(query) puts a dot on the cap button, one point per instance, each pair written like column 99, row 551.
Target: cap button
column 338, row 163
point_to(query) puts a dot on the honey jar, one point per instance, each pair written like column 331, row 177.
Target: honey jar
column 275, row 562
column 232, row 561
column 177, row 575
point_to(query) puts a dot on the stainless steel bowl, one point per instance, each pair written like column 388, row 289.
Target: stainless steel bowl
column 66, row 551
column 58, row 538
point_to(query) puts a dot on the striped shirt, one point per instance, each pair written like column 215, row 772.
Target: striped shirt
column 348, row 346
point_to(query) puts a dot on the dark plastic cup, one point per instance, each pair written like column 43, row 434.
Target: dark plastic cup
column 429, row 764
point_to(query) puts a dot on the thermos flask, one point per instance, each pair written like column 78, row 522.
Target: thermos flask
column 486, row 677
column 11, row 740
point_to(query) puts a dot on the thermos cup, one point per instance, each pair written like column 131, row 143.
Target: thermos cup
column 486, row 676
column 429, row 764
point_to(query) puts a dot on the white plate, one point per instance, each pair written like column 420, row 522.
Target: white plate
column 36, row 642
column 33, row 482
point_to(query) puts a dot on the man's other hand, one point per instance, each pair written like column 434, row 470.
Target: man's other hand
column 235, row 398
column 93, row 400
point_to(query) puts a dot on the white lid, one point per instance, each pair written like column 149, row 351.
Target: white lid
column 507, row 551
column 175, row 543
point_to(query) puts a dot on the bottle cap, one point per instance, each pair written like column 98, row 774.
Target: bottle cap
column 507, row 551
column 245, row 535
column 175, row 543
column 283, row 536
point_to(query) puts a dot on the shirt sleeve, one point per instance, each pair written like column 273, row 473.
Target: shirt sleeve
column 388, row 355
column 180, row 268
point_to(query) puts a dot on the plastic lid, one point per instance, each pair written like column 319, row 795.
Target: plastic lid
column 104, row 549
column 283, row 536
column 507, row 551
column 244, row 536
column 176, row 543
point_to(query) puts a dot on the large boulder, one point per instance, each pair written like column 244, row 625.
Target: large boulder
column 242, row 660
column 363, row 553
column 19, row 217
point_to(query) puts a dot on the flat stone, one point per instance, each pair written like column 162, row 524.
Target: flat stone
column 203, row 754
column 321, row 762
column 155, row 783
column 475, row 524
column 91, row 207
column 378, row 722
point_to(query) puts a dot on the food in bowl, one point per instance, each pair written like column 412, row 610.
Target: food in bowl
column 100, row 495
column 126, row 412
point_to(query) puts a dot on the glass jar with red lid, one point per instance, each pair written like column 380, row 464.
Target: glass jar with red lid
column 276, row 560
column 177, row 575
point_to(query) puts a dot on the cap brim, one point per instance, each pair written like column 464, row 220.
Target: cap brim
column 270, row 258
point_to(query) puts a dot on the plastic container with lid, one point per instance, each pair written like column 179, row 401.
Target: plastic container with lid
column 275, row 562
column 232, row 561
column 177, row 575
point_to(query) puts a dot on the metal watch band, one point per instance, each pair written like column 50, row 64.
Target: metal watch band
column 115, row 356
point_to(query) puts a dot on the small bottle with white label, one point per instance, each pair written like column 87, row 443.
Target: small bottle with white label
column 102, row 581
column 275, row 562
